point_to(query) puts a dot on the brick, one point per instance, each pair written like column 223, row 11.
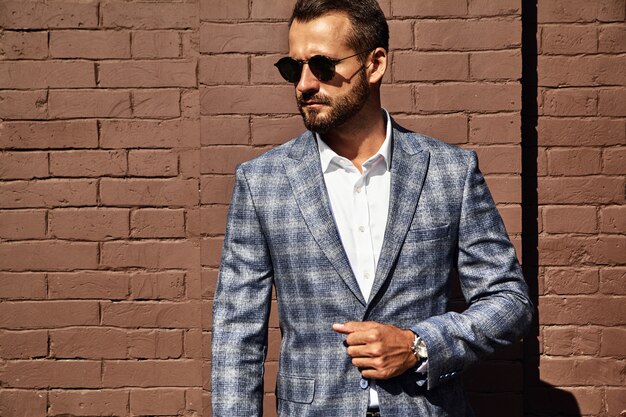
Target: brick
column 505, row 189
column 451, row 128
column 590, row 70
column 400, row 34
column 582, row 310
column 570, row 219
column 152, row 163
column 23, row 165
column 429, row 8
column 226, row 130
column 148, row 74
column 263, row 71
column 48, row 314
column 430, row 66
column 151, row 314
column 615, row 401
column 500, row 159
column 156, row 103
column 564, row 281
column 554, row 131
column 47, row 74
column 89, row 103
column 47, row 255
column 88, row 285
column 613, row 219
column 157, row 402
column 211, row 251
column 157, row 286
column 16, row 14
column 613, row 342
column 574, row 161
column 495, row 65
column 151, row 373
column 579, row 371
column 22, row 224
column 581, row 190
column 512, row 217
column 566, row 250
column 570, row 102
column 88, row 224
column 275, row 131
column 20, row 104
column 49, row 135
column 224, row 69
column 163, row 254
column 612, row 38
column 189, row 163
column 247, row 99
column 14, row 403
column 613, row 281
column 159, row 15
column 244, row 37
column 216, row 189
column 88, row 163
column 614, row 161
column 224, row 159
column 156, row 44
column 491, row 8
column 23, row 345
column 148, row 134
column 90, row 44
column 51, row 374
column 22, row 286
column 397, row 98
column 224, row 10
column 562, row 11
column 157, row 223
column 271, row 10
column 85, row 403
column 564, row 400
column 612, row 102
column 23, row 45
column 463, row 35
column 88, row 343
column 148, row 192
column 568, row 39
column 214, row 219
column 193, row 343
column 155, row 344
column 468, row 97
column 494, row 128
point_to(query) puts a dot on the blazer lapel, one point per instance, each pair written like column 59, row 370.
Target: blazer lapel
column 305, row 175
column 409, row 165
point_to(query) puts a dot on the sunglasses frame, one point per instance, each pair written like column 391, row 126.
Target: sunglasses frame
column 317, row 72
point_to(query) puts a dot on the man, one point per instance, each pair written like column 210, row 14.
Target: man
column 360, row 226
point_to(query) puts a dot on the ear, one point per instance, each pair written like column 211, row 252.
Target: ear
column 377, row 66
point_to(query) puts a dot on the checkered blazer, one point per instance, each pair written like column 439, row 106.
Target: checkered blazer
column 281, row 232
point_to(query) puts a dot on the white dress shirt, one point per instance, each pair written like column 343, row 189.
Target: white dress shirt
column 360, row 203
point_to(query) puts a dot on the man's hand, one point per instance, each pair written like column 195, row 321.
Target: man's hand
column 380, row 351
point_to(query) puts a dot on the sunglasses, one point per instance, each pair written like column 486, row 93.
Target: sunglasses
column 321, row 66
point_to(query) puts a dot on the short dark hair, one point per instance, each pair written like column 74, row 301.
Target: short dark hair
column 369, row 26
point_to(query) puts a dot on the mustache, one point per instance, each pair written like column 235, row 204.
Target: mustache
column 315, row 97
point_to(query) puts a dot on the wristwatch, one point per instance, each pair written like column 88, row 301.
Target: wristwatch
column 419, row 349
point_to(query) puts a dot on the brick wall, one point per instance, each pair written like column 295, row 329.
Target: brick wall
column 121, row 124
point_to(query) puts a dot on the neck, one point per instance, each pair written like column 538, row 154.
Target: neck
column 360, row 137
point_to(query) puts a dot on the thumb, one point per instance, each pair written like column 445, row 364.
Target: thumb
column 348, row 327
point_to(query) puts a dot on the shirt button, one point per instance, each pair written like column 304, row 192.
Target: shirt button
column 364, row 383
column 361, row 229
column 367, row 275
column 359, row 189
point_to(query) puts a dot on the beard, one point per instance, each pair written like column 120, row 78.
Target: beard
column 340, row 109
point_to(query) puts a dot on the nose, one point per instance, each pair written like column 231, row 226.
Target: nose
column 308, row 82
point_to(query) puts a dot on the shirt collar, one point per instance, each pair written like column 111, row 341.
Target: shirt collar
column 327, row 155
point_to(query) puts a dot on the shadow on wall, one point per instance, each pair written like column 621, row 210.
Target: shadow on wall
column 540, row 398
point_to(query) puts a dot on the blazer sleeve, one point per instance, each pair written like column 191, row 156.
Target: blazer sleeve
column 491, row 280
column 241, row 310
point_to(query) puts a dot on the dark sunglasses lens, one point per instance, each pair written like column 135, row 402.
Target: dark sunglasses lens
column 290, row 69
column 322, row 67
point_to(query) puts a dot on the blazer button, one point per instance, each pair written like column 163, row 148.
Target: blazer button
column 364, row 383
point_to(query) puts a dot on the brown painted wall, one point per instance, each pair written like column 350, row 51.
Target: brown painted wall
column 120, row 127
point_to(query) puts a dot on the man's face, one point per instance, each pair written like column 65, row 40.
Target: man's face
column 327, row 105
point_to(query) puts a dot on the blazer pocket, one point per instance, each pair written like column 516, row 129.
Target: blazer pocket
column 435, row 233
column 295, row 388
